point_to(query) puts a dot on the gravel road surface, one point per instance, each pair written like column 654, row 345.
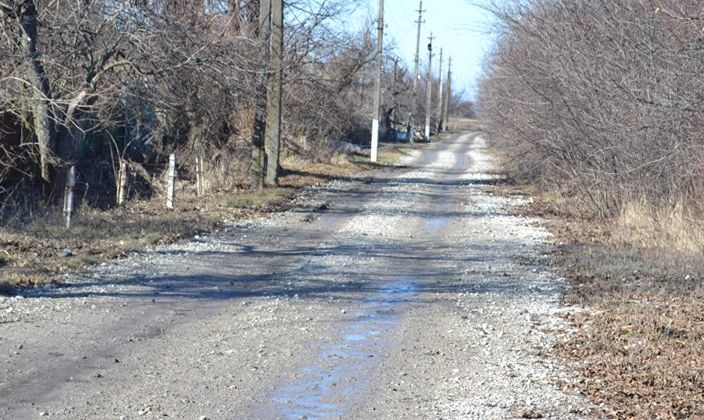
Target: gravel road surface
column 412, row 292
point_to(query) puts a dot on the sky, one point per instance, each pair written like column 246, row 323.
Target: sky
column 461, row 28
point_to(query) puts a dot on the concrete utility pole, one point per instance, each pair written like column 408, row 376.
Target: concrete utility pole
column 448, row 93
column 441, row 92
column 377, row 81
column 414, row 104
column 274, row 102
column 429, row 88
column 260, row 107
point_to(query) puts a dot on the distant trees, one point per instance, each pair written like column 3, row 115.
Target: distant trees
column 601, row 100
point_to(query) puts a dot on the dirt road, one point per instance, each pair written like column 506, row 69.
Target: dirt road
column 407, row 293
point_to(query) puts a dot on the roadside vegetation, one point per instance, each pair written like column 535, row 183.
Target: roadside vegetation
column 37, row 252
column 598, row 109
column 637, row 347
column 113, row 89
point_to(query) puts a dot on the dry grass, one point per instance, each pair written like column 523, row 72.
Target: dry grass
column 43, row 247
column 666, row 227
column 639, row 347
column 34, row 253
column 466, row 124
column 259, row 200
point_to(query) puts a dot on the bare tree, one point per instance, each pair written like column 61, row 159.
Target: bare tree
column 601, row 100
column 97, row 83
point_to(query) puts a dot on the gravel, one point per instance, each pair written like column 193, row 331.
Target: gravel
column 408, row 293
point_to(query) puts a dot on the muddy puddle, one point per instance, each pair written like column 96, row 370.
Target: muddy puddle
column 436, row 223
column 333, row 382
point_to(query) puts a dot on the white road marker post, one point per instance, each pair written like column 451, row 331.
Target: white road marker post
column 199, row 175
column 68, row 196
column 122, row 183
column 170, row 181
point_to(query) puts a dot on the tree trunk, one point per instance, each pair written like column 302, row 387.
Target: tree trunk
column 42, row 121
column 274, row 102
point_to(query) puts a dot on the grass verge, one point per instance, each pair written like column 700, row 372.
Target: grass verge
column 638, row 347
column 35, row 253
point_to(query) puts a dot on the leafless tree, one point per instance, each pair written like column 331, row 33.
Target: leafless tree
column 85, row 83
column 601, row 100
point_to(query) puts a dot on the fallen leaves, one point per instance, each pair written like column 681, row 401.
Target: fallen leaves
column 639, row 352
column 638, row 349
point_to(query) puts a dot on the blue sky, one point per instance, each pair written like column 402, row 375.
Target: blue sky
column 461, row 28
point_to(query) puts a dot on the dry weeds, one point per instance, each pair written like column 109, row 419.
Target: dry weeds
column 675, row 226
column 638, row 349
column 35, row 253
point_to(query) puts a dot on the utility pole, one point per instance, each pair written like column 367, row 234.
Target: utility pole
column 414, row 104
column 260, row 107
column 377, row 81
column 274, row 102
column 429, row 87
column 441, row 92
column 448, row 93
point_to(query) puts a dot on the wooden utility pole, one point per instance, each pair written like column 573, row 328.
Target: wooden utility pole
column 441, row 92
column 429, row 88
column 377, row 81
column 274, row 102
column 260, row 106
column 414, row 104
column 448, row 93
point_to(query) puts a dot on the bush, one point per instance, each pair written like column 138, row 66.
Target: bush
column 601, row 101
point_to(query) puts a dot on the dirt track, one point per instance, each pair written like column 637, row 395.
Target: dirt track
column 411, row 292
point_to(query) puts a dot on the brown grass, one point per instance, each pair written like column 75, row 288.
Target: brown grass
column 638, row 349
column 665, row 227
column 640, row 354
column 34, row 253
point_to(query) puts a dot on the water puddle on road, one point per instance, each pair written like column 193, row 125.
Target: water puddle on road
column 331, row 384
column 436, row 223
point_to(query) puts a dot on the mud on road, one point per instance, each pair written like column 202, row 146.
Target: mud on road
column 406, row 293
